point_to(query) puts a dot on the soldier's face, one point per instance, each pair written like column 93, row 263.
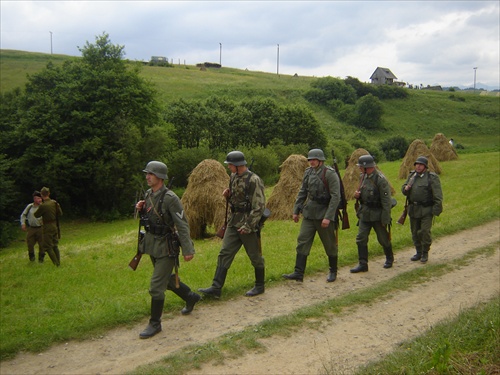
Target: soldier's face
column 153, row 181
column 314, row 163
column 37, row 200
column 232, row 168
column 420, row 168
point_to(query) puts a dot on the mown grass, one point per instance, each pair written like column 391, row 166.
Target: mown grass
column 94, row 290
column 247, row 341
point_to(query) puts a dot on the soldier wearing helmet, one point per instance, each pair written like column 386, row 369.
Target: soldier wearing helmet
column 50, row 211
column 425, row 200
column 317, row 200
column 246, row 199
column 162, row 214
column 374, row 195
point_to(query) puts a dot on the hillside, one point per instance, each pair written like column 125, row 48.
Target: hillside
column 470, row 118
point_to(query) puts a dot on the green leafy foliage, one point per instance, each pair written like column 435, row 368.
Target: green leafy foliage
column 395, row 148
column 369, row 111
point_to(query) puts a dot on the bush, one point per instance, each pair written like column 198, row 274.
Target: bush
column 264, row 162
column 395, row 148
column 368, row 111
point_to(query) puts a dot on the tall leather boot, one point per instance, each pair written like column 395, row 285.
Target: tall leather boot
column 300, row 268
column 217, row 283
column 363, row 260
column 31, row 256
column 332, row 275
column 154, row 325
column 389, row 257
column 259, row 283
column 41, row 256
column 58, row 255
column 184, row 292
column 53, row 257
column 418, row 254
column 425, row 253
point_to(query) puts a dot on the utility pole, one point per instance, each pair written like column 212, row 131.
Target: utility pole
column 475, row 69
column 220, row 54
column 278, row 61
column 50, row 42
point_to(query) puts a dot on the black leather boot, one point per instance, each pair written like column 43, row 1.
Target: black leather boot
column 259, row 283
column 425, row 254
column 332, row 275
column 58, row 255
column 154, row 325
column 217, row 283
column 31, row 256
column 389, row 257
column 418, row 254
column 41, row 257
column 300, row 268
column 363, row 260
column 184, row 292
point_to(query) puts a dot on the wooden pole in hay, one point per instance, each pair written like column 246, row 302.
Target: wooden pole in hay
column 203, row 202
column 352, row 173
column 417, row 148
column 442, row 149
column 283, row 196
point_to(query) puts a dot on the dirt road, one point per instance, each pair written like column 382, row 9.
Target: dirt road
column 352, row 339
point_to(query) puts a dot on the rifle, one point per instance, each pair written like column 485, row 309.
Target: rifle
column 343, row 200
column 356, row 205
column 137, row 257
column 220, row 233
column 402, row 218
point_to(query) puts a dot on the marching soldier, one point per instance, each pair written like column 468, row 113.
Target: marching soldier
column 50, row 211
column 425, row 200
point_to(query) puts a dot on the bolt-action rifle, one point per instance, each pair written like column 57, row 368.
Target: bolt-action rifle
column 343, row 201
column 361, row 182
column 402, row 218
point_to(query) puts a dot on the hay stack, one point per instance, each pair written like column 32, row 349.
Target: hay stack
column 352, row 173
column 203, row 202
column 442, row 149
column 283, row 196
column 416, row 149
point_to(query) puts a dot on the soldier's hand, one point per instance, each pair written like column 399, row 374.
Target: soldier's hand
column 295, row 218
column 140, row 204
column 357, row 194
column 187, row 258
column 226, row 193
column 23, row 227
column 325, row 223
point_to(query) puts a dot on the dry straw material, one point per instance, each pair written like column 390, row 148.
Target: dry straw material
column 442, row 149
column 416, row 149
column 283, row 196
column 203, row 202
column 352, row 174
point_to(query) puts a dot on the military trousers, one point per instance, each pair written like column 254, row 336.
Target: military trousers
column 231, row 244
column 50, row 242
column 34, row 236
column 421, row 231
column 308, row 230
column 162, row 271
column 364, row 229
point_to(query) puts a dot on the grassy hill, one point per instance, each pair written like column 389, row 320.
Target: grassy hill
column 471, row 119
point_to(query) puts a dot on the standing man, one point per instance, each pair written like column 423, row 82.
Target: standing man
column 247, row 202
column 162, row 216
column 50, row 211
column 318, row 199
column 33, row 227
column 374, row 195
column 425, row 198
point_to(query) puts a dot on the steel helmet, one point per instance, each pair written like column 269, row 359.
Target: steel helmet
column 316, row 153
column 157, row 168
column 366, row 161
column 422, row 160
column 235, row 158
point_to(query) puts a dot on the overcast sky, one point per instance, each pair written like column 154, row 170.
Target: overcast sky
column 422, row 42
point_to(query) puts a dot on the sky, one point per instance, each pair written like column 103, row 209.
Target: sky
column 447, row 43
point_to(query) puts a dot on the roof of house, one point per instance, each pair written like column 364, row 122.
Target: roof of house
column 384, row 72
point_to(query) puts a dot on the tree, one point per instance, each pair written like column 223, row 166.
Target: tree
column 368, row 112
column 82, row 130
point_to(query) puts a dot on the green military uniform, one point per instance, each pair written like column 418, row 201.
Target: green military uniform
column 374, row 212
column 50, row 211
column 318, row 199
column 34, row 233
column 425, row 200
column 162, row 213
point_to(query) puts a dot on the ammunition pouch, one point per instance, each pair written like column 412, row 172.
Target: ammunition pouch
column 245, row 209
column 323, row 199
column 372, row 204
column 423, row 204
column 173, row 245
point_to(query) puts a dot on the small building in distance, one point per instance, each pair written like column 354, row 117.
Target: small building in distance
column 383, row 76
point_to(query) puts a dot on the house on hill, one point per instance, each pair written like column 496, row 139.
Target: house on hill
column 383, row 76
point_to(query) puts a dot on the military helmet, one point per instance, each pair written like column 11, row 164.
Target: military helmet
column 316, row 153
column 422, row 160
column 235, row 158
column 366, row 161
column 157, row 168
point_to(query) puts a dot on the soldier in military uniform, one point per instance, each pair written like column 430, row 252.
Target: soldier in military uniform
column 374, row 195
column 425, row 200
column 50, row 211
column 33, row 228
column 247, row 203
column 318, row 199
column 162, row 215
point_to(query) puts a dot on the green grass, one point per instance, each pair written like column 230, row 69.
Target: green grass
column 94, row 290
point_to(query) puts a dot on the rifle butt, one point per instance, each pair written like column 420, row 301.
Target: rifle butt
column 220, row 233
column 135, row 261
column 402, row 218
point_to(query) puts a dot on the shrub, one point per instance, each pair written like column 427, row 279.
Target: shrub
column 395, row 148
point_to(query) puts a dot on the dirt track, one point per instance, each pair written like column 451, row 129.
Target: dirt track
column 351, row 339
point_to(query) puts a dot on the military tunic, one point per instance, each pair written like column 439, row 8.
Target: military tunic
column 49, row 211
column 318, row 199
column 162, row 213
column 374, row 211
column 425, row 200
column 247, row 202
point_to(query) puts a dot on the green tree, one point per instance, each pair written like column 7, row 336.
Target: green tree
column 328, row 88
column 368, row 112
column 83, row 128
